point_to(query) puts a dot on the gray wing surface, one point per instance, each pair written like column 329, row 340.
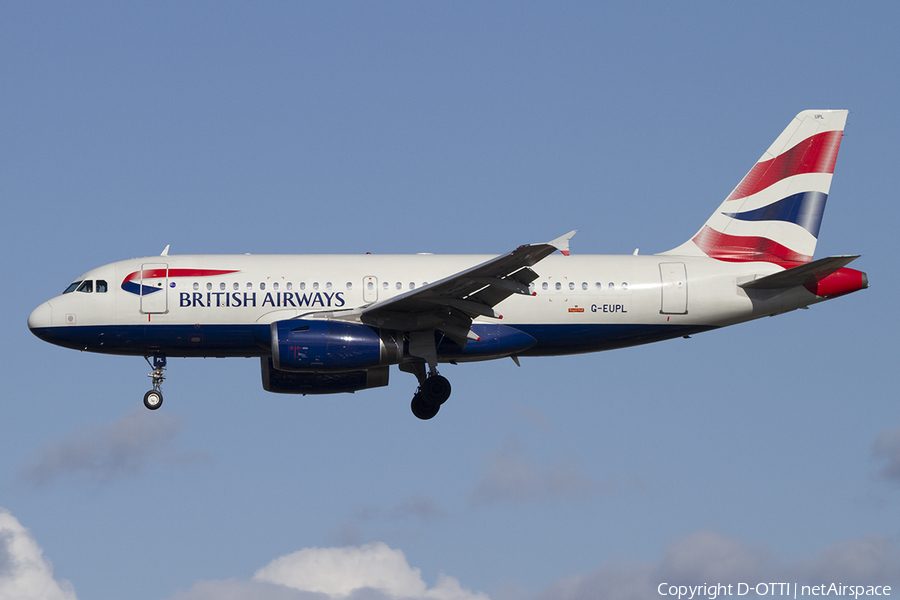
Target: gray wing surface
column 450, row 305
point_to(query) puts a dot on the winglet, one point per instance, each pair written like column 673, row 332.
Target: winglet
column 562, row 243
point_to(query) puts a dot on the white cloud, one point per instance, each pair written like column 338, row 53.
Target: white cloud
column 99, row 454
column 510, row 477
column 339, row 571
column 369, row 572
column 24, row 572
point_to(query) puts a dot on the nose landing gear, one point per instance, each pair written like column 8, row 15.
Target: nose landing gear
column 154, row 398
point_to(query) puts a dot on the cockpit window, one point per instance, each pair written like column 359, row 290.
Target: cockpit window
column 87, row 286
column 72, row 287
column 101, row 286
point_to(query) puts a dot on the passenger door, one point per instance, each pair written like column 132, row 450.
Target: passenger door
column 154, row 288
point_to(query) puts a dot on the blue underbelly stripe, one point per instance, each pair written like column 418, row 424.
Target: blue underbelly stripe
column 253, row 340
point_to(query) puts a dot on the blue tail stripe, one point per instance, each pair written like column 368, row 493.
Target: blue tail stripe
column 805, row 209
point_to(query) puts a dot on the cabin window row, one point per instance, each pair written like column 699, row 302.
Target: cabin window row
column 302, row 286
column 87, row 286
column 599, row 286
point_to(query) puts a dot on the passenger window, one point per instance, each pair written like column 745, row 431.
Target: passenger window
column 399, row 286
column 599, row 285
column 584, row 286
column 208, row 285
column 236, row 285
column 571, row 285
column 290, row 286
column 558, row 285
column 262, row 286
column 624, row 286
column 349, row 286
column 87, row 286
column 72, row 287
column 328, row 286
column 544, row 286
column 315, row 285
column 101, row 286
column 612, row 286
column 222, row 286
column 412, row 285
column 275, row 286
column 385, row 285
column 249, row 286
column 302, row 285
column 196, row 286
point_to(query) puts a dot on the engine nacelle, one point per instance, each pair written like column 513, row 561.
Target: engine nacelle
column 334, row 346
column 284, row 382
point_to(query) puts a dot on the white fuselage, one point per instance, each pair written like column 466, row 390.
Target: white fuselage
column 579, row 303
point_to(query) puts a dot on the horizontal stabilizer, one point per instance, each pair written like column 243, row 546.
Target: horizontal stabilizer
column 809, row 273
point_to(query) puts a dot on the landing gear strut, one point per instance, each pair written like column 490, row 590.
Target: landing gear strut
column 434, row 389
column 154, row 398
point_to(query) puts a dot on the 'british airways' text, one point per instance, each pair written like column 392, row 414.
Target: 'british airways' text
column 250, row 299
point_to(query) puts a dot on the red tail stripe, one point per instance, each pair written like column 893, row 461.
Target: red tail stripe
column 815, row 154
column 733, row 248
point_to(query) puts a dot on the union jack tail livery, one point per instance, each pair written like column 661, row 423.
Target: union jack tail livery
column 774, row 213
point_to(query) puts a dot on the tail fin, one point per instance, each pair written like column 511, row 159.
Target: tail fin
column 774, row 213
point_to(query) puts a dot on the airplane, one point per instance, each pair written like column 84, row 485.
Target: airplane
column 323, row 324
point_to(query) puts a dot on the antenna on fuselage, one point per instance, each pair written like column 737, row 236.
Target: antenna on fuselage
column 165, row 251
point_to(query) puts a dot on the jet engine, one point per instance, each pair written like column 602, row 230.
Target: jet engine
column 305, row 345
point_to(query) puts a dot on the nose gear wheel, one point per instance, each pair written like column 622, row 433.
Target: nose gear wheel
column 154, row 398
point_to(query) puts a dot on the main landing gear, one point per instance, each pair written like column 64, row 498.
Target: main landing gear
column 433, row 391
column 154, row 398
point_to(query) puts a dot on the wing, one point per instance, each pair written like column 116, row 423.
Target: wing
column 450, row 305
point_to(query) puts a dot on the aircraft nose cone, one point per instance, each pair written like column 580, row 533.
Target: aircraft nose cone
column 40, row 317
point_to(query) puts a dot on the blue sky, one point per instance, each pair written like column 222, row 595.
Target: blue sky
column 765, row 452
